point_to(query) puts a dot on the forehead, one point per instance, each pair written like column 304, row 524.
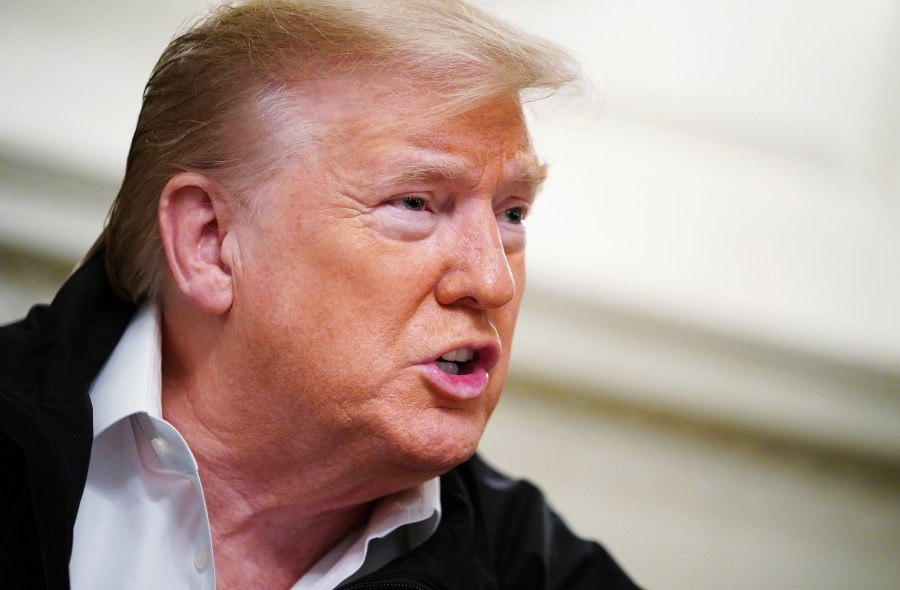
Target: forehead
column 382, row 128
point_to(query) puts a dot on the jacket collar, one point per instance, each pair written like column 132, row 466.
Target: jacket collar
column 47, row 362
column 66, row 344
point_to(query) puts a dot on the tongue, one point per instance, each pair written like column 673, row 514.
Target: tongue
column 448, row 367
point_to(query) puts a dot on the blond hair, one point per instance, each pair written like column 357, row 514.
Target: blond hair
column 219, row 101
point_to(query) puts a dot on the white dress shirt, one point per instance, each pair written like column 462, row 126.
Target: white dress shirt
column 142, row 521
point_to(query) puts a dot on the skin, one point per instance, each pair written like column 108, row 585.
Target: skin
column 295, row 340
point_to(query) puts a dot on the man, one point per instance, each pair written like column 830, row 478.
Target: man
column 304, row 298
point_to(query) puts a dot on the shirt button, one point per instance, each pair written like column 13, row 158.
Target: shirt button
column 201, row 558
column 159, row 446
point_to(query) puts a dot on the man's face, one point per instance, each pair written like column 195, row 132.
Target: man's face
column 379, row 284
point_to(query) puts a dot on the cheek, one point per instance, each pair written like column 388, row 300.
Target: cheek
column 339, row 302
column 507, row 315
column 336, row 265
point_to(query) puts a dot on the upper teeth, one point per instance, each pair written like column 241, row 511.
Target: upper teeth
column 461, row 355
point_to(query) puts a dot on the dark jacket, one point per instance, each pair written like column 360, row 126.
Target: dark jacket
column 495, row 533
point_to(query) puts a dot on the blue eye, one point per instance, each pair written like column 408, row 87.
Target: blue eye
column 515, row 215
column 412, row 203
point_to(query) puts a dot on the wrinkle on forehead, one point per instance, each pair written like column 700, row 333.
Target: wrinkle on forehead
column 408, row 142
column 524, row 167
column 493, row 136
column 373, row 108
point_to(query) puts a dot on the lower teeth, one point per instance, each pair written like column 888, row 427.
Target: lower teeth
column 448, row 367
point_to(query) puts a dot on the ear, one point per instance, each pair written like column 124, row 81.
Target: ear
column 194, row 220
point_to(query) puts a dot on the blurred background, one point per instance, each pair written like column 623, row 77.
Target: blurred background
column 707, row 370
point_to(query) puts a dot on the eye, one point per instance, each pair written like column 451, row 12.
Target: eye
column 412, row 203
column 515, row 215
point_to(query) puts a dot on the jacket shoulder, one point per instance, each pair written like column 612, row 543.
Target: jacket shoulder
column 498, row 533
column 17, row 338
column 532, row 547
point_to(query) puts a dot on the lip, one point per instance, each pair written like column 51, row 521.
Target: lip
column 470, row 385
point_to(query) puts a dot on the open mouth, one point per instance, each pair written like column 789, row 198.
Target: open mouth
column 461, row 361
column 462, row 373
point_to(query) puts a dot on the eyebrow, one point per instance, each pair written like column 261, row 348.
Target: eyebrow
column 526, row 168
column 529, row 169
column 443, row 169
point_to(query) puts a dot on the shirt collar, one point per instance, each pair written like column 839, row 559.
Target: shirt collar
column 130, row 381
column 420, row 505
column 398, row 524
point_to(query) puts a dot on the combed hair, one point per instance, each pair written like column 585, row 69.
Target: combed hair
column 222, row 99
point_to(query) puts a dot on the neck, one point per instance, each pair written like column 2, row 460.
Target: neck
column 285, row 477
column 267, row 532
column 270, row 518
column 273, row 548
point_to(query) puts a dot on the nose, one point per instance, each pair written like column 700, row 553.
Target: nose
column 477, row 272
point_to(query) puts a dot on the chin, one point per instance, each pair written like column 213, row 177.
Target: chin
column 441, row 445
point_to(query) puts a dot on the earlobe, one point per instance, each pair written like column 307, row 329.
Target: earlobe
column 194, row 221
